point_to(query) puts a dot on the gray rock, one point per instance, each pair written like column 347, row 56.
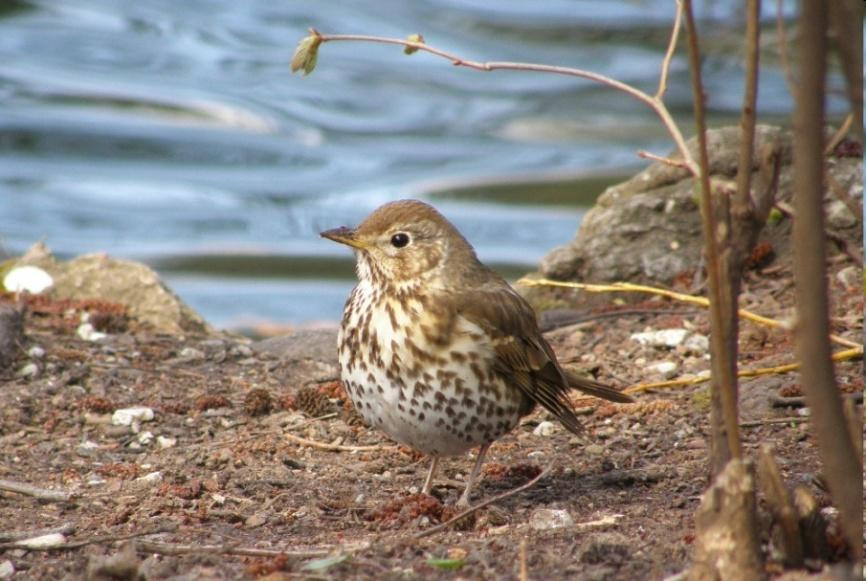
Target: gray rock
column 605, row 548
column 132, row 284
column 544, row 519
column 649, row 227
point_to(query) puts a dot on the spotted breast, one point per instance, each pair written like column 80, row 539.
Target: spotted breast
column 438, row 395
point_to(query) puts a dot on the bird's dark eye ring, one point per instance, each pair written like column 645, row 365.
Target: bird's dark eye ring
column 399, row 240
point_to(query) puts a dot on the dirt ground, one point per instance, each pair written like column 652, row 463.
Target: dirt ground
column 218, row 485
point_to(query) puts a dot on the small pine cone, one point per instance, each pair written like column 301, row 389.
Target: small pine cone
column 351, row 417
column 313, row 403
column 258, row 402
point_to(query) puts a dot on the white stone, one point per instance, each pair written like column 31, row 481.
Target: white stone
column 87, row 332
column 545, row 519
column 661, row 338
column 88, row 445
column 150, row 477
column 126, row 416
column 29, row 370
column 545, row 429
column 36, row 352
column 164, row 442
column 42, row 541
column 145, row 438
column 31, row 279
column 666, row 369
column 7, row 569
column 697, row 343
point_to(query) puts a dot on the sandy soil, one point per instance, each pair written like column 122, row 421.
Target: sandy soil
column 219, row 472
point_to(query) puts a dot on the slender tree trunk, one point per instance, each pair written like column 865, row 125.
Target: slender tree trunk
column 842, row 466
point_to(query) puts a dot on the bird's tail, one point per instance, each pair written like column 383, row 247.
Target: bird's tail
column 596, row 389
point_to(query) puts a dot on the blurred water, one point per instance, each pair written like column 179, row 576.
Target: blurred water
column 172, row 132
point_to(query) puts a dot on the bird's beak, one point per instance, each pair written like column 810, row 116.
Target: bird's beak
column 345, row 236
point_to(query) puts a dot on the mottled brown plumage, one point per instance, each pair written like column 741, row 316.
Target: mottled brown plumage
column 438, row 350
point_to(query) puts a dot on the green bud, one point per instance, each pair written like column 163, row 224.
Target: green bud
column 413, row 38
column 775, row 217
column 306, row 54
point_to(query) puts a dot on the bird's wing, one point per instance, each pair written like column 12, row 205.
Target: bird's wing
column 522, row 358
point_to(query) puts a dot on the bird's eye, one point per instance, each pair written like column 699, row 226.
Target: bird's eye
column 399, row 240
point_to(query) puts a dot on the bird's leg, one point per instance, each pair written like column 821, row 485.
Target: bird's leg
column 464, row 498
column 428, row 484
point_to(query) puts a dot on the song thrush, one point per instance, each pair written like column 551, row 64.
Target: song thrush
column 436, row 349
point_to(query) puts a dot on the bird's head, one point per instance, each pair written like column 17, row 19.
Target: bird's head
column 407, row 244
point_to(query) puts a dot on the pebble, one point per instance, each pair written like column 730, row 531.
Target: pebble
column 666, row 369
column 7, row 569
column 29, row 370
column 189, row 354
column 545, row 519
column 31, row 279
column 145, row 438
column 150, row 477
column 36, row 352
column 126, row 416
column 661, row 338
column 594, row 449
column 87, row 332
column 164, row 442
column 42, row 541
column 697, row 344
column 851, row 277
column 545, row 429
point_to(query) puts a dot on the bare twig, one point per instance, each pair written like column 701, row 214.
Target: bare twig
column 847, row 355
column 783, row 48
column 442, row 526
column 726, row 440
column 655, row 103
column 669, row 54
column 695, row 300
column 90, row 540
column 770, row 421
column 742, row 201
column 839, row 135
column 665, row 160
column 35, row 491
column 64, row 529
column 524, row 569
column 231, row 549
column 335, row 447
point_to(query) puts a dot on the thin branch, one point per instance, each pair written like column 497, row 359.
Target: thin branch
column 783, row 49
column 89, row 541
column 230, row 549
column 846, row 355
column 724, row 368
column 665, row 160
column 669, row 54
column 742, row 204
column 35, row 491
column 840, row 134
column 654, row 103
column 771, row 421
column 335, row 447
column 64, row 529
column 480, row 505
column 704, row 302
